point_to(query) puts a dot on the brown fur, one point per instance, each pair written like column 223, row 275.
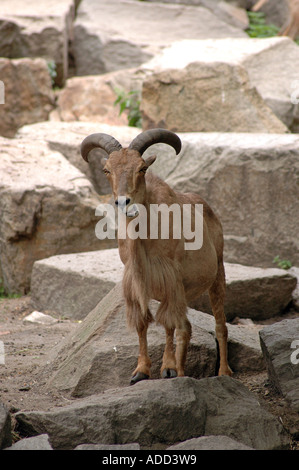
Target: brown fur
column 163, row 269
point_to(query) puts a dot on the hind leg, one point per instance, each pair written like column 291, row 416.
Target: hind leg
column 183, row 335
column 217, row 295
column 172, row 315
column 174, row 359
column 168, row 368
column 142, row 371
column 140, row 322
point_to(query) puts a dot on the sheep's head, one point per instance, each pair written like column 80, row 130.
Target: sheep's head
column 125, row 168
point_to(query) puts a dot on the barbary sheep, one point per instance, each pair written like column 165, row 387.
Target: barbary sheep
column 162, row 268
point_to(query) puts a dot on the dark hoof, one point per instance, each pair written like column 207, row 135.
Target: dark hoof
column 169, row 374
column 139, row 376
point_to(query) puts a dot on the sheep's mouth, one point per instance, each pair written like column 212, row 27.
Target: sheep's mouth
column 130, row 211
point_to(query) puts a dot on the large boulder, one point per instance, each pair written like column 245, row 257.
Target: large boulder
column 271, row 64
column 204, row 96
column 5, row 427
column 38, row 29
column 111, row 447
column 280, row 346
column 252, row 292
column 160, row 411
column 225, row 11
column 72, row 285
column 251, row 182
column 66, row 138
column 89, row 99
column 105, row 41
column 102, row 352
column 276, row 11
column 210, row 443
column 47, row 206
column 40, row 442
column 28, row 95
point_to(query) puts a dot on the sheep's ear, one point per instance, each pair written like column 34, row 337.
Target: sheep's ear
column 103, row 161
column 150, row 160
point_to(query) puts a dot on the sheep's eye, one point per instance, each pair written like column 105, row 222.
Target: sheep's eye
column 143, row 170
column 107, row 172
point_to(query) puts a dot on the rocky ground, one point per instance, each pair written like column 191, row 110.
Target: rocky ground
column 240, row 152
column 30, row 346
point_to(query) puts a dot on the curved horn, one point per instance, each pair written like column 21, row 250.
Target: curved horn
column 156, row 136
column 103, row 141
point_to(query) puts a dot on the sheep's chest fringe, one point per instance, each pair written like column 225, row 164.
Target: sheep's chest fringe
column 154, row 277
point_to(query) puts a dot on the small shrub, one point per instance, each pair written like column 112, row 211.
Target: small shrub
column 282, row 263
column 4, row 295
column 52, row 71
column 130, row 102
column 258, row 28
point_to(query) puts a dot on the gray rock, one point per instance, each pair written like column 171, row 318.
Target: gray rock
column 66, row 138
column 80, row 98
column 271, row 64
column 255, row 293
column 5, row 427
column 210, row 443
column 73, row 284
column 32, row 443
column 105, row 42
column 111, row 447
column 225, row 11
column 39, row 318
column 148, row 413
column 276, row 11
column 280, row 346
column 244, row 350
column 228, row 100
column 48, row 207
column 35, row 98
column 247, row 179
column 38, row 29
column 102, row 352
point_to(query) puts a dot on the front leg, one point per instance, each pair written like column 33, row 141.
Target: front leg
column 168, row 369
column 183, row 335
column 142, row 371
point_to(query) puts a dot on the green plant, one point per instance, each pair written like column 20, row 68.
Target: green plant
column 130, row 102
column 282, row 263
column 258, row 28
column 52, row 71
column 4, row 295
